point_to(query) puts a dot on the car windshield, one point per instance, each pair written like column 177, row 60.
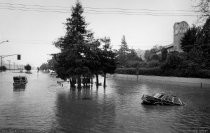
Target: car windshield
column 19, row 78
column 167, row 98
column 177, row 100
column 158, row 95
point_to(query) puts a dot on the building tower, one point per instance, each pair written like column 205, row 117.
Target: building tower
column 179, row 29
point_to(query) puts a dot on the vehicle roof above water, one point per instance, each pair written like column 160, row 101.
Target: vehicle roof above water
column 167, row 97
column 19, row 77
column 159, row 95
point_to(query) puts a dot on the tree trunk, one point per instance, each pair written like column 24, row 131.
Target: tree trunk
column 96, row 79
column 91, row 80
column 104, row 80
column 79, row 82
column 72, row 82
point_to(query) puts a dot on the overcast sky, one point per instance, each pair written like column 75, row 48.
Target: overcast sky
column 32, row 25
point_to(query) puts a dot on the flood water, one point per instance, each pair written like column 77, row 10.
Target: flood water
column 45, row 106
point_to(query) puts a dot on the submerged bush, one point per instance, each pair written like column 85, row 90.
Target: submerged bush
column 3, row 68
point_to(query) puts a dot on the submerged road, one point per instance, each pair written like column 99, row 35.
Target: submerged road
column 44, row 106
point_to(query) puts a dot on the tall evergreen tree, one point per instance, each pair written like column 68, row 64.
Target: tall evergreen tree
column 205, row 42
column 189, row 41
column 107, row 58
column 124, row 45
column 72, row 61
column 122, row 53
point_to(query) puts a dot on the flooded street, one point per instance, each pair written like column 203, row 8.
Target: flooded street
column 45, row 106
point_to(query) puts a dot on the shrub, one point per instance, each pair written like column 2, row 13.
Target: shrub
column 157, row 71
column 141, row 71
column 142, row 64
column 3, row 68
column 204, row 73
column 27, row 67
column 126, row 71
column 153, row 63
column 172, row 62
column 132, row 64
column 150, row 71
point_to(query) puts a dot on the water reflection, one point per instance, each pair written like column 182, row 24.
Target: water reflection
column 19, row 88
column 78, row 115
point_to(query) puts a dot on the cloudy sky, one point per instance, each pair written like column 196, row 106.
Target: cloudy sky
column 32, row 25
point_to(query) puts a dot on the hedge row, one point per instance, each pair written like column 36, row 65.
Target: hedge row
column 141, row 71
column 157, row 71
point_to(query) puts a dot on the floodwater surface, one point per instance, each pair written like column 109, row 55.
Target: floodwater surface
column 45, row 106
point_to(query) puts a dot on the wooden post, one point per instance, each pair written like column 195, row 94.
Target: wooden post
column 104, row 80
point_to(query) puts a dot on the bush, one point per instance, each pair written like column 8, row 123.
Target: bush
column 141, row 71
column 153, row 63
column 132, row 71
column 204, row 73
column 157, row 71
column 27, row 67
column 150, row 71
column 3, row 68
column 142, row 64
column 132, row 64
column 172, row 62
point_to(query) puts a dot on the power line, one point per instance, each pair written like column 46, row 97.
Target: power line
column 139, row 13
column 130, row 9
column 66, row 8
column 25, row 10
column 93, row 10
column 101, row 12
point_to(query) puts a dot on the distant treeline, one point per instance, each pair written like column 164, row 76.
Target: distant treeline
column 194, row 61
column 84, row 56
column 157, row 71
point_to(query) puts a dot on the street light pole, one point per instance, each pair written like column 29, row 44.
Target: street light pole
column 14, row 66
column 4, row 41
column 1, row 62
column 1, row 56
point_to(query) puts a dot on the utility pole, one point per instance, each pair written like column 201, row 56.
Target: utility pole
column 1, row 56
column 1, row 61
column 14, row 66
column 9, row 63
column 4, row 41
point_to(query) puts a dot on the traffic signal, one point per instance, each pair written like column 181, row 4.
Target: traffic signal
column 18, row 57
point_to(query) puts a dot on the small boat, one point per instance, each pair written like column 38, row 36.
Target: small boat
column 19, row 81
column 161, row 99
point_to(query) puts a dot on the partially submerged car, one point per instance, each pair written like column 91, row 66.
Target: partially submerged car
column 161, row 99
column 19, row 81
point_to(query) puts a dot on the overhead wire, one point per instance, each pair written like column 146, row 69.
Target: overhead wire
column 94, row 10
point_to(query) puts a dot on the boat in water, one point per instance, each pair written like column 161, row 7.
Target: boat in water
column 161, row 99
column 19, row 81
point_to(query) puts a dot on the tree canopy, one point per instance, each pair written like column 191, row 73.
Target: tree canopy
column 189, row 40
column 27, row 67
column 81, row 55
column 196, row 42
column 127, row 57
column 74, row 46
